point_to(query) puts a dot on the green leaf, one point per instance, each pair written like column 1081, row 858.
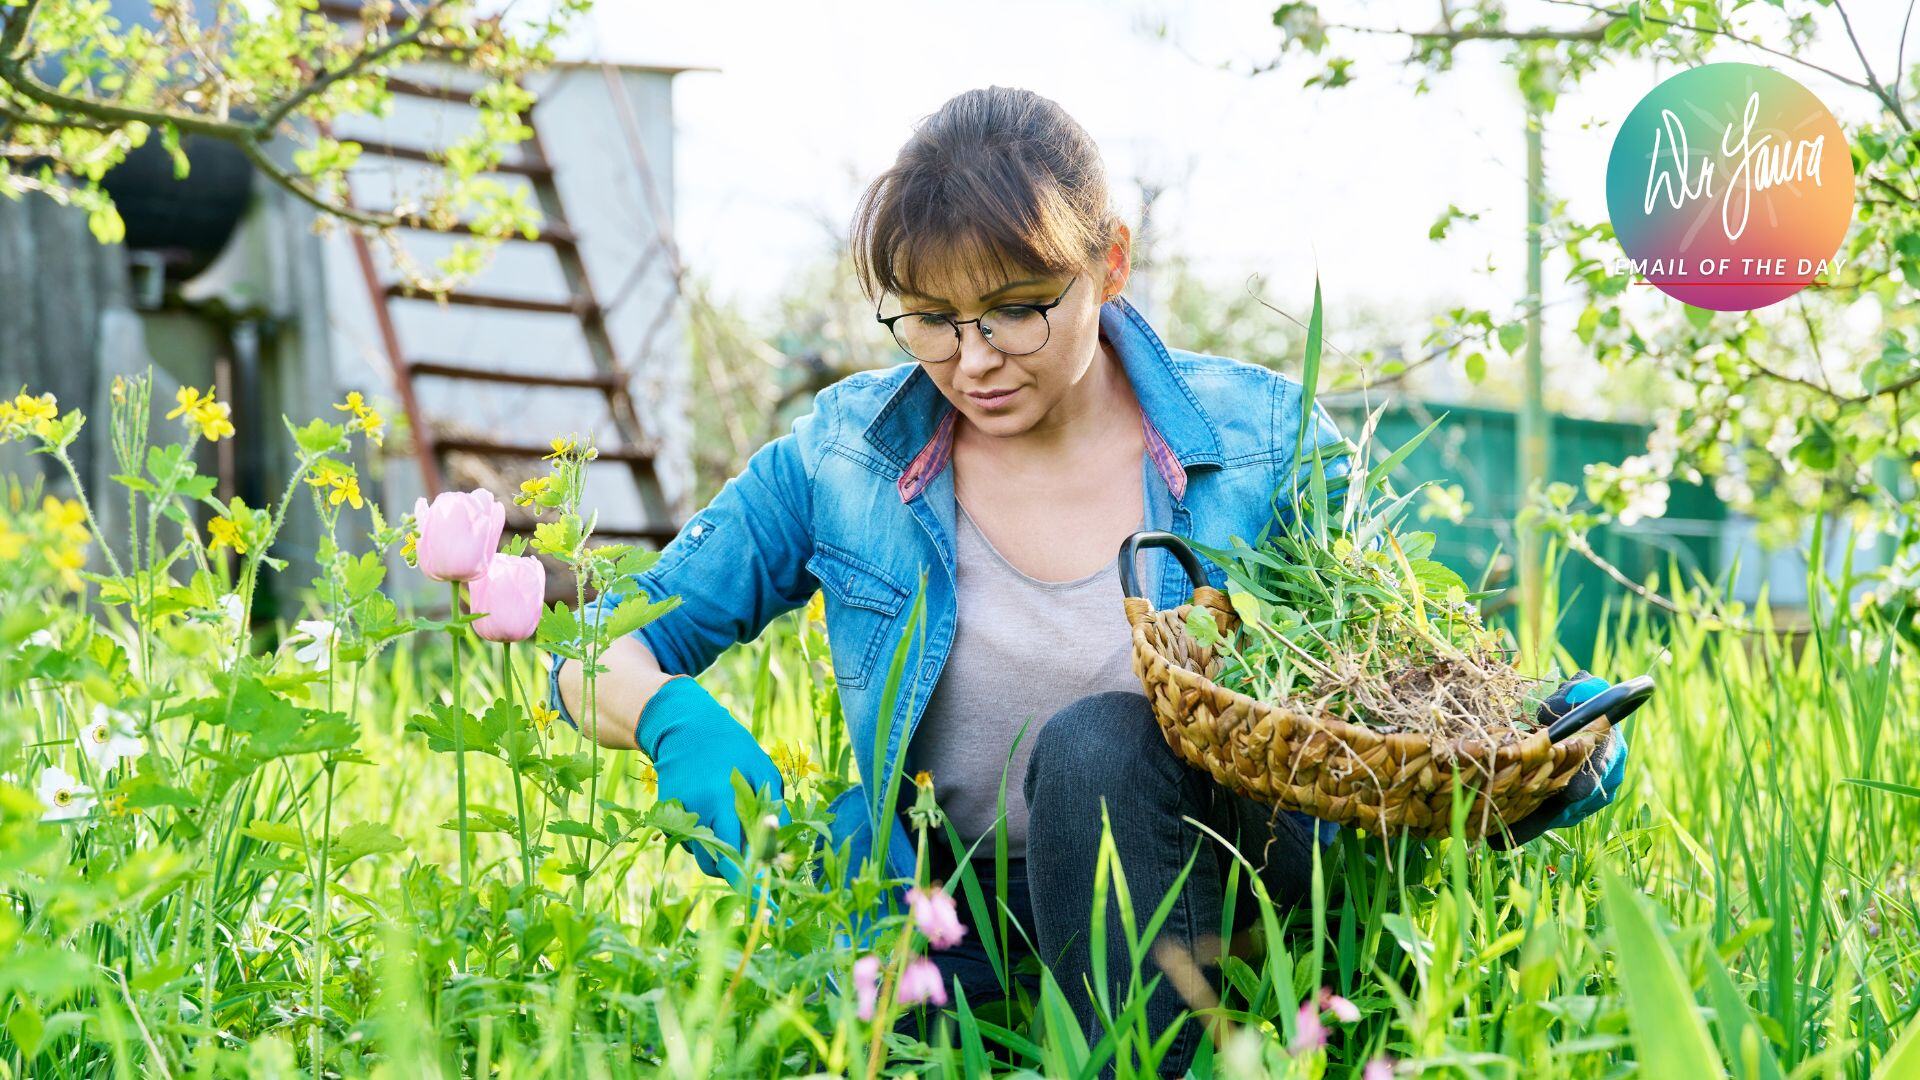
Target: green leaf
column 1380, row 472
column 318, row 438
column 1309, row 382
column 635, row 612
column 1512, row 335
column 363, row 575
column 1669, row 1038
column 147, row 792
column 1903, row 1057
column 559, row 539
column 1741, row 1040
column 479, row 734
column 26, row 1025
column 364, row 838
column 559, row 626
column 1908, row 790
column 276, row 832
column 567, row 827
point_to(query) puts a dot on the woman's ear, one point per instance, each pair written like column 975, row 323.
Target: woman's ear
column 1119, row 263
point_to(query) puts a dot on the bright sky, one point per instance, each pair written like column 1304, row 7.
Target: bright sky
column 812, row 100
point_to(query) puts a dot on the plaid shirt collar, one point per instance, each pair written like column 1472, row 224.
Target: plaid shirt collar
column 914, row 429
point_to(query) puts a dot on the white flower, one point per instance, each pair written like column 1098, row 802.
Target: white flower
column 65, row 797
column 233, row 608
column 110, row 739
column 1645, row 501
column 318, row 633
column 43, row 638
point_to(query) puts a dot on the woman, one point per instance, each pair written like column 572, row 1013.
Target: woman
column 1040, row 422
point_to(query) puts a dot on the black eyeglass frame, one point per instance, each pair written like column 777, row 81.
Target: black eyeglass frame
column 889, row 320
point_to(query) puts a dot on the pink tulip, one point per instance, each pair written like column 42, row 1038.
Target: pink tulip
column 458, row 534
column 921, row 982
column 866, row 984
column 508, row 597
column 935, row 915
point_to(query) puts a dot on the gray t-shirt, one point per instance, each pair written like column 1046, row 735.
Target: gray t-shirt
column 1022, row 648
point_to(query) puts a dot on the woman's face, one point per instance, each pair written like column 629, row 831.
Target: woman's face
column 1009, row 395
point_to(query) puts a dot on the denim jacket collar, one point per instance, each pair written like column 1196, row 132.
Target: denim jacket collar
column 914, row 429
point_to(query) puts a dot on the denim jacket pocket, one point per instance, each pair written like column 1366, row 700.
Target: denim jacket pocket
column 862, row 603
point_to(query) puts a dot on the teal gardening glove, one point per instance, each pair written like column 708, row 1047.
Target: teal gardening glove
column 1590, row 789
column 696, row 746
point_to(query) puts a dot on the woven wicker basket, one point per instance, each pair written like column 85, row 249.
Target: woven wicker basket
column 1386, row 783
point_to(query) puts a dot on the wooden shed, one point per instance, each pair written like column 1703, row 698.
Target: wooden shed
column 557, row 336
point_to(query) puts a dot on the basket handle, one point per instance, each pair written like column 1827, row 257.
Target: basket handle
column 1616, row 702
column 1152, row 538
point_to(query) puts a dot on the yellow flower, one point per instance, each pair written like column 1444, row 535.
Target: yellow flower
column 544, row 717
column 343, row 484
column 190, row 399
column 374, row 425
column 795, row 761
column 923, row 779
column 119, row 388
column 365, row 419
column 70, row 561
column 561, row 448
column 817, row 607
column 67, row 516
column 222, row 532
column 648, row 778
column 212, row 420
column 11, row 543
column 40, row 415
column 410, row 550
column 29, row 408
column 202, row 411
column 531, row 490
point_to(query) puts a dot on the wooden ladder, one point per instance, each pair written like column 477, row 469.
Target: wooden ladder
column 609, row 380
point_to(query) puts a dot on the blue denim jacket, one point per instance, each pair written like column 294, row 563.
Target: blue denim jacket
column 857, row 500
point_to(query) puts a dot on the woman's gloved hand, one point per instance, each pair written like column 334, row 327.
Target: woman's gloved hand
column 696, row 746
column 1590, row 789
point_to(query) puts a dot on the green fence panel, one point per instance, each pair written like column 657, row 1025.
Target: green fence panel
column 1477, row 448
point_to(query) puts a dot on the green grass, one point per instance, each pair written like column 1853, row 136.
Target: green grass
column 274, row 887
column 1741, row 901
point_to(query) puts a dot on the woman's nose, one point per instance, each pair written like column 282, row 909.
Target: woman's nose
column 976, row 356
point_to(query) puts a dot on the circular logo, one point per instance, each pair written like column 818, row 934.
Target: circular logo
column 1730, row 187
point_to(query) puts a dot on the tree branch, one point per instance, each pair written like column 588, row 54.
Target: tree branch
column 303, row 191
column 1900, row 54
column 1873, row 82
column 1834, row 395
column 14, row 74
column 1728, row 34
column 15, row 116
column 361, row 61
column 1455, row 37
column 16, row 28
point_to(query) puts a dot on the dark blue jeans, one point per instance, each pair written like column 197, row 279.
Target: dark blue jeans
column 1107, row 749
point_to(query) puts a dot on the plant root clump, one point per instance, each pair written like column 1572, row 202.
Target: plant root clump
column 1475, row 696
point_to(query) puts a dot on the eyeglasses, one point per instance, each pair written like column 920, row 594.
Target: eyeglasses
column 1013, row 329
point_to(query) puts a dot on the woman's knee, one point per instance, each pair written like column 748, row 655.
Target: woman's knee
column 1100, row 743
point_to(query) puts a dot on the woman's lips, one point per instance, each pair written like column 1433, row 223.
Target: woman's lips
column 997, row 400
